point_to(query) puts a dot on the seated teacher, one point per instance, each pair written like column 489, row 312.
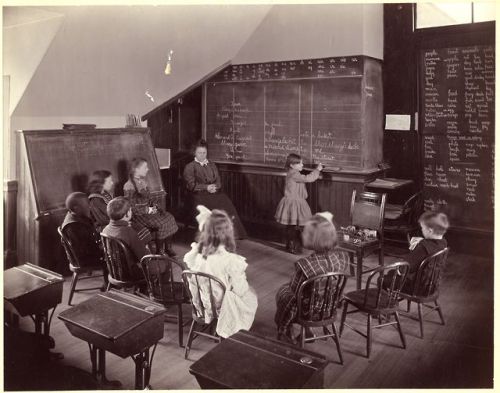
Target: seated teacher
column 203, row 181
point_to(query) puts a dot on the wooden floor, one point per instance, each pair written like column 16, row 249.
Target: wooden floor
column 458, row 355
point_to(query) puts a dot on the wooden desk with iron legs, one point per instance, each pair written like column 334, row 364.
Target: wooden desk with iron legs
column 121, row 323
column 34, row 291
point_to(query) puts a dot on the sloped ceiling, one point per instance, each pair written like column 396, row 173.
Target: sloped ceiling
column 27, row 34
column 304, row 31
column 103, row 59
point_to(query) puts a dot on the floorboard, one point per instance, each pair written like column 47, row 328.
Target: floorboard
column 457, row 355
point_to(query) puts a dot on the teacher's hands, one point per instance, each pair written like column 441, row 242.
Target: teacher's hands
column 211, row 188
column 320, row 167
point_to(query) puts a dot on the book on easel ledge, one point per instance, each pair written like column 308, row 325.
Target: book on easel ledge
column 78, row 126
column 389, row 183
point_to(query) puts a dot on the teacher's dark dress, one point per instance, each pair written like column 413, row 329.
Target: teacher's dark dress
column 197, row 178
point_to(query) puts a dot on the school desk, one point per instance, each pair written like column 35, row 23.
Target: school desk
column 120, row 323
column 32, row 290
column 249, row 361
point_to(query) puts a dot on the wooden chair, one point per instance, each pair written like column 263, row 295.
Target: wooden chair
column 201, row 286
column 77, row 268
column 367, row 212
column 402, row 219
column 317, row 302
column 425, row 288
column 119, row 259
column 380, row 301
column 158, row 270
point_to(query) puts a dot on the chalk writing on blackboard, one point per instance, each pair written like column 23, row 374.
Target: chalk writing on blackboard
column 458, row 132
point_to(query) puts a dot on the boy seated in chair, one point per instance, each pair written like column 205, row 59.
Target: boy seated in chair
column 79, row 229
column 120, row 214
column 434, row 226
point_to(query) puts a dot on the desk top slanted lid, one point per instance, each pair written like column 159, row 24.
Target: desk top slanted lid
column 249, row 361
column 111, row 315
column 30, row 289
column 21, row 280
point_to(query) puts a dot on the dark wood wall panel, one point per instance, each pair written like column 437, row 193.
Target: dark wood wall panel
column 335, row 197
column 256, row 195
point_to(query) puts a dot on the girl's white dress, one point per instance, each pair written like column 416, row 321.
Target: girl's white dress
column 238, row 307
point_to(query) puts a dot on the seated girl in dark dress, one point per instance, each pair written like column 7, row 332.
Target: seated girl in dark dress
column 100, row 190
column 144, row 209
column 203, row 182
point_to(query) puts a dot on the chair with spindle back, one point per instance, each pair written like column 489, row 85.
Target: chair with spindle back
column 317, row 302
column 206, row 293
column 402, row 219
column 425, row 288
column 77, row 268
column 380, row 301
column 120, row 259
column 367, row 212
column 162, row 288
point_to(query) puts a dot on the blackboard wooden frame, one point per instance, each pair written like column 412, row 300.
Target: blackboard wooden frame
column 371, row 132
column 472, row 34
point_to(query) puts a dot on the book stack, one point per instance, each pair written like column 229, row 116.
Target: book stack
column 78, row 126
column 133, row 121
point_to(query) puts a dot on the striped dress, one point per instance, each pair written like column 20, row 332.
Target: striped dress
column 140, row 200
column 305, row 268
column 98, row 204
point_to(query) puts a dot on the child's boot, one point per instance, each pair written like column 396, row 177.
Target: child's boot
column 168, row 248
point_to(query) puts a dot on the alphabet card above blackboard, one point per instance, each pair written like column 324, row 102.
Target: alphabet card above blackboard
column 327, row 110
column 458, row 127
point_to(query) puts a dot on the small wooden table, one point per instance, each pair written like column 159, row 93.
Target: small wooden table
column 121, row 323
column 249, row 361
column 360, row 249
column 32, row 290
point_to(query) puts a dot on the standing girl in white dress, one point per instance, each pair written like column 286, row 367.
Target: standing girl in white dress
column 215, row 254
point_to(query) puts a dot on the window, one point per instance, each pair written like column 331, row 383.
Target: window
column 446, row 14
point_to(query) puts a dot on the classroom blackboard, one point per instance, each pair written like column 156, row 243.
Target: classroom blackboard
column 327, row 110
column 62, row 161
column 458, row 133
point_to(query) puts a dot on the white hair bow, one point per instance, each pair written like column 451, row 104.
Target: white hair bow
column 326, row 215
column 202, row 216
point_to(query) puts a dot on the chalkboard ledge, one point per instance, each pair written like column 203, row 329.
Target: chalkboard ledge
column 344, row 175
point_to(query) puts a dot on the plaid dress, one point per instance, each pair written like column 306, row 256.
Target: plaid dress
column 140, row 200
column 98, row 203
column 305, row 268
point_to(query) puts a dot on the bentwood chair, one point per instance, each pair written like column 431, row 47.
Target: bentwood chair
column 380, row 301
column 401, row 220
column 424, row 289
column 367, row 212
column 76, row 267
column 120, row 259
column 162, row 288
column 317, row 302
column 206, row 293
